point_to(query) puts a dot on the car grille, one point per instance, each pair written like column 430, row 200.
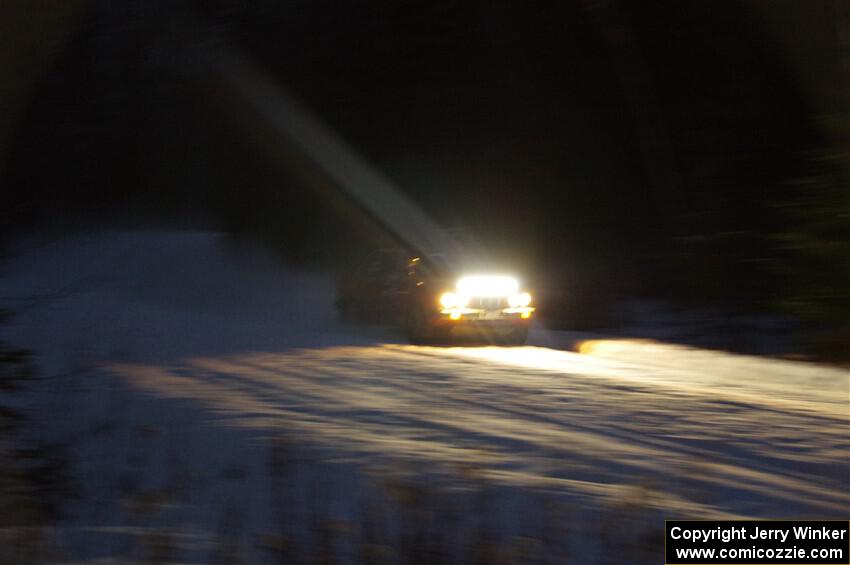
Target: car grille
column 488, row 302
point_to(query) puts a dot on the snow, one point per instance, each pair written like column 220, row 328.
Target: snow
column 213, row 407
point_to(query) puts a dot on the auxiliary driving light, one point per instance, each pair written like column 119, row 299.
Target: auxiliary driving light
column 487, row 286
column 452, row 300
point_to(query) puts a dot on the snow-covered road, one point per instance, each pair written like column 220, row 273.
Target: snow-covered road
column 179, row 359
column 587, row 426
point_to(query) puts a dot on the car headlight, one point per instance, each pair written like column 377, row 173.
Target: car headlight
column 452, row 300
column 522, row 299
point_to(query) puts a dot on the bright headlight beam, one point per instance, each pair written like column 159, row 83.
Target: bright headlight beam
column 487, row 285
column 452, row 300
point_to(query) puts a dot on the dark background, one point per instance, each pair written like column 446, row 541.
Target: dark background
column 687, row 150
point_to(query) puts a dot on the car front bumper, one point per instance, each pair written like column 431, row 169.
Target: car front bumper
column 485, row 318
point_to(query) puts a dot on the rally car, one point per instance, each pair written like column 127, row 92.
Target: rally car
column 434, row 303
